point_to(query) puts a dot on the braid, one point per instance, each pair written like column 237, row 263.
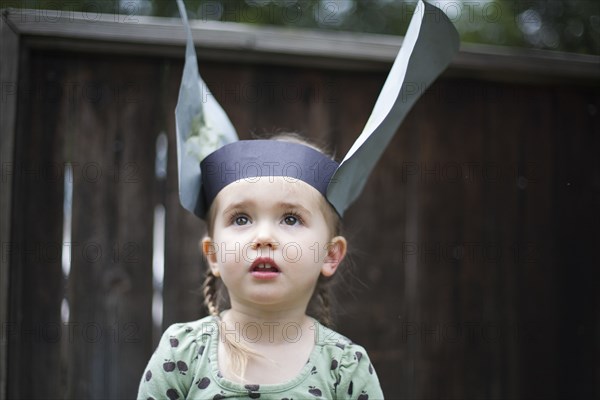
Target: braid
column 210, row 293
column 239, row 353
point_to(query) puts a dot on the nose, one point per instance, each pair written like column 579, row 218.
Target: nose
column 264, row 238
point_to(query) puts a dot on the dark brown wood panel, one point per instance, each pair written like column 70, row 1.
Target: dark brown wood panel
column 111, row 136
column 36, row 281
column 576, row 195
column 499, row 194
column 473, row 241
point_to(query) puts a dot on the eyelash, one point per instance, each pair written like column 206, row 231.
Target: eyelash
column 290, row 213
column 294, row 214
column 235, row 215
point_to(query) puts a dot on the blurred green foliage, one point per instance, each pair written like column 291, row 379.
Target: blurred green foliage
column 564, row 25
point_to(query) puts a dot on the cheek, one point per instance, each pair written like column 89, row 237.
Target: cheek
column 227, row 243
column 292, row 252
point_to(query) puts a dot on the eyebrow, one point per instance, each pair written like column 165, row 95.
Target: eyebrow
column 281, row 205
column 240, row 204
column 294, row 205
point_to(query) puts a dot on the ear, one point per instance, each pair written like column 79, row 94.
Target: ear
column 209, row 249
column 336, row 251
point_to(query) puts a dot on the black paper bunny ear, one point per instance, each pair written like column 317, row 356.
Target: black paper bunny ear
column 205, row 134
column 202, row 126
column 428, row 47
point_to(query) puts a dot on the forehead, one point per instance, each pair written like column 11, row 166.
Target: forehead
column 269, row 191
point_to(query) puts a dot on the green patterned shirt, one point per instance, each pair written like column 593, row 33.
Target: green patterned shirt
column 185, row 366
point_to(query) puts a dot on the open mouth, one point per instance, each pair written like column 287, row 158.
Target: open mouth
column 264, row 268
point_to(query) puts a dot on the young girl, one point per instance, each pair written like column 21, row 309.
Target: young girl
column 273, row 242
column 272, row 209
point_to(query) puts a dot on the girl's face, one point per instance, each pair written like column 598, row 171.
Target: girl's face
column 271, row 242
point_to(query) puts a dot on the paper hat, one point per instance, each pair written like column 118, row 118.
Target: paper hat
column 210, row 156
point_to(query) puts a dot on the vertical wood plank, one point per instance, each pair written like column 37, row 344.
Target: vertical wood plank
column 461, row 253
column 499, row 193
column 9, row 74
column 477, row 254
column 538, row 301
column 577, row 218
column 441, row 224
column 593, row 109
column 36, row 284
column 131, row 284
column 112, row 138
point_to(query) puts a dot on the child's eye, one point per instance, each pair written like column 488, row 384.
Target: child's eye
column 240, row 220
column 291, row 219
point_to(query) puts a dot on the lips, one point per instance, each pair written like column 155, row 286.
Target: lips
column 264, row 264
column 264, row 268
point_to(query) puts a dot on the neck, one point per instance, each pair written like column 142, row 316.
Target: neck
column 267, row 327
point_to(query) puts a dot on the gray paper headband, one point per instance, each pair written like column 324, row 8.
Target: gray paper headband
column 210, row 156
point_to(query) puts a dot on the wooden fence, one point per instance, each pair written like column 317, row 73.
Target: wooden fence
column 475, row 241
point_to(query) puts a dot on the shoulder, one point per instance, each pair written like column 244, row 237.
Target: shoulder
column 183, row 336
column 355, row 376
column 336, row 344
column 186, row 341
column 189, row 331
column 178, row 355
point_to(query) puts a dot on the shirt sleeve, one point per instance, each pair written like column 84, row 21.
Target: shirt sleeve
column 169, row 371
column 357, row 377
